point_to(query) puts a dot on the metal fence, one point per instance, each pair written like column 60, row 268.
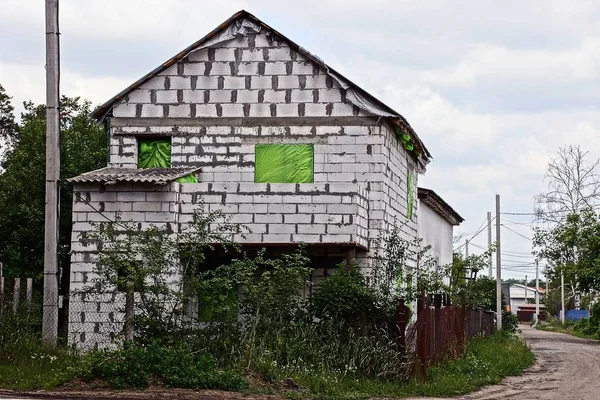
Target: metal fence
column 441, row 329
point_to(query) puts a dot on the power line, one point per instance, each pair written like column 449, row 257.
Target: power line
column 481, row 228
column 516, row 233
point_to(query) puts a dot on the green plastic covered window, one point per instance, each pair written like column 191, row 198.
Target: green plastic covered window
column 411, row 195
column 156, row 153
column 284, row 163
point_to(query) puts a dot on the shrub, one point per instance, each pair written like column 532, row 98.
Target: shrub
column 345, row 297
column 136, row 366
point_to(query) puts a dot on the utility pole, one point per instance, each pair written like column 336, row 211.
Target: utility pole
column 498, row 268
column 526, row 290
column 537, row 292
column 562, row 297
column 466, row 247
column 50, row 315
column 489, row 226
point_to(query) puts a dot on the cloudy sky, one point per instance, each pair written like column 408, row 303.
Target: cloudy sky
column 492, row 88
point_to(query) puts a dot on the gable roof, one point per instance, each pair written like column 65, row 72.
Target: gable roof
column 243, row 23
column 433, row 200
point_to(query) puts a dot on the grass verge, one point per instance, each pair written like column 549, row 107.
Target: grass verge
column 486, row 361
column 568, row 327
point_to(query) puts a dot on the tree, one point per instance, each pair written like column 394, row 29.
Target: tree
column 7, row 118
column 22, row 183
column 572, row 247
column 573, row 185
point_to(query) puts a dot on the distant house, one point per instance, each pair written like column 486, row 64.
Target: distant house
column 519, row 295
column 436, row 225
column 248, row 122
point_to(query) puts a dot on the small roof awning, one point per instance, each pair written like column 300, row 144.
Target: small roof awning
column 159, row 176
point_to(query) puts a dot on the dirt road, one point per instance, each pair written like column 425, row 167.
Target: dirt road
column 567, row 368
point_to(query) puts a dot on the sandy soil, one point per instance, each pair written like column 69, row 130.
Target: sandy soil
column 567, row 368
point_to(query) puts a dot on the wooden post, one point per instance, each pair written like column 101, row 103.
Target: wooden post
column 498, row 268
column 401, row 314
column 29, row 293
column 16, row 295
column 129, row 309
column 1, row 294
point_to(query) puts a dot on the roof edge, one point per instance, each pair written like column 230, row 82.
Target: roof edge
column 438, row 204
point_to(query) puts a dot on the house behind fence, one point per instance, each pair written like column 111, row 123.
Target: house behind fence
column 246, row 122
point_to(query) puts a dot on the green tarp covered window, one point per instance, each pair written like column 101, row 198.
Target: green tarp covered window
column 284, row 163
column 411, row 194
column 156, row 153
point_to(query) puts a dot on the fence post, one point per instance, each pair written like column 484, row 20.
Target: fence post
column 401, row 323
column 16, row 295
column 129, row 309
column 29, row 293
column 1, row 295
column 422, row 315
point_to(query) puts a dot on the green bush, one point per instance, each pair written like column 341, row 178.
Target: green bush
column 135, row 366
column 345, row 297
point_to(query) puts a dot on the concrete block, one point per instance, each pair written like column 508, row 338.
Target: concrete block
column 195, row 69
column 260, row 110
column 268, row 218
column 219, row 68
column 124, row 110
column 315, row 110
column 261, row 82
column 274, row 96
column 206, row 110
column 297, row 219
column 227, row 176
column 280, row 208
column 287, row 110
column 282, row 228
column 180, row 111
column 206, row 82
column 316, row 82
column 305, row 238
column 279, row 54
column 198, row 55
column 247, row 68
column 238, row 41
column 329, row 238
column 302, row 68
column 166, row 96
column 313, row 208
column 139, row 96
column 275, row 68
column 276, row 238
column 232, row 110
column 341, row 209
column 247, row 96
column 151, row 111
column 328, row 219
column 297, row 199
column 288, row 82
column 341, row 229
column 313, row 229
column 253, row 55
column 241, row 219
column 131, row 196
column 194, row 96
column 158, row 82
column 302, row 96
column 235, row 82
column 180, row 82
column 254, row 208
column 224, row 54
column 257, row 228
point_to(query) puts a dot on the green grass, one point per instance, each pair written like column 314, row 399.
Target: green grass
column 568, row 327
column 486, row 362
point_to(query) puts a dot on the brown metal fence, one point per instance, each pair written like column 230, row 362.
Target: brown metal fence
column 441, row 330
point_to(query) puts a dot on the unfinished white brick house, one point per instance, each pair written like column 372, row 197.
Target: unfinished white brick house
column 243, row 86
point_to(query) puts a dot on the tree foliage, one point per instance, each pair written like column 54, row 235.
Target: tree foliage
column 22, row 182
column 7, row 119
column 573, row 185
